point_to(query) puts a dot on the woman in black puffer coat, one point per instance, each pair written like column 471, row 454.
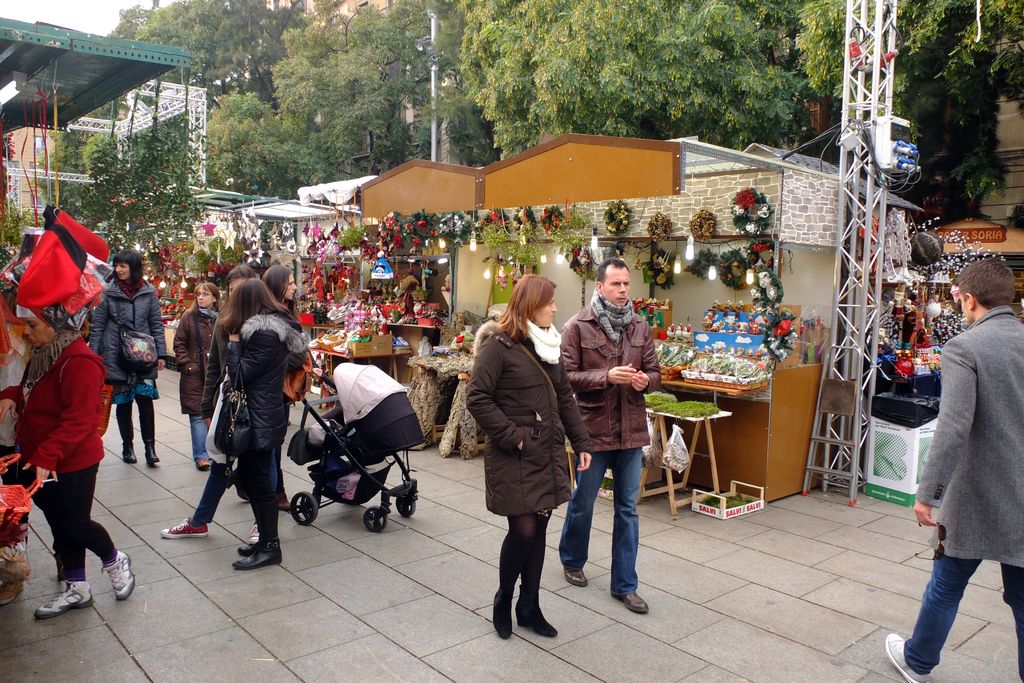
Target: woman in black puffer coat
column 261, row 335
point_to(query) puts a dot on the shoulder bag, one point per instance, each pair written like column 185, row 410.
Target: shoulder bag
column 233, row 432
column 137, row 350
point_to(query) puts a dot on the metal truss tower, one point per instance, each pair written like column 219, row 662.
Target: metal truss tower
column 843, row 413
column 172, row 100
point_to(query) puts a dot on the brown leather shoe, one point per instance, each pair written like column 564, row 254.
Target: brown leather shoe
column 575, row 576
column 633, row 602
column 282, row 502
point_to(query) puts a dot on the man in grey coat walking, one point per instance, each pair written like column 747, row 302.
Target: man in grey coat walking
column 974, row 477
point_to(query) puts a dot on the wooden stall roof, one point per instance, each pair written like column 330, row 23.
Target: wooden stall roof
column 423, row 185
column 583, row 168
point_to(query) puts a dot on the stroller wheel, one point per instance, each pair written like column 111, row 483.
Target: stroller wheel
column 304, row 508
column 406, row 506
column 375, row 519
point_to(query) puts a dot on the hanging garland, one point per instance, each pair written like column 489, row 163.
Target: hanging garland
column 551, row 219
column 751, row 212
column 732, row 268
column 703, row 260
column 658, row 269
column 570, row 236
column 616, row 217
column 659, row 227
column 782, row 334
column 702, row 225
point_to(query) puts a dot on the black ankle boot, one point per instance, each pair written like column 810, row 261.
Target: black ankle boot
column 266, row 554
column 502, row 615
column 128, row 453
column 528, row 614
column 151, row 458
column 246, row 549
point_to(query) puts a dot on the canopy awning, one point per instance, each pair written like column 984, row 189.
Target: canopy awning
column 338, row 192
column 261, row 208
column 86, row 71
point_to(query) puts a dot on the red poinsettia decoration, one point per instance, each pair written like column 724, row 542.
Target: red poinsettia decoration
column 783, row 328
column 746, row 199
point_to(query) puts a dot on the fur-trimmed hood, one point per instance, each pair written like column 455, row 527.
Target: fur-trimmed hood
column 487, row 331
column 286, row 330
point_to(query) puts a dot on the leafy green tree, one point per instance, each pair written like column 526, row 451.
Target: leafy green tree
column 725, row 71
column 948, row 84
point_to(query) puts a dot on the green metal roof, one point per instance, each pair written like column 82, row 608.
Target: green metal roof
column 88, row 71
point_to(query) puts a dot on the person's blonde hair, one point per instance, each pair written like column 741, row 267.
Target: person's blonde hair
column 530, row 294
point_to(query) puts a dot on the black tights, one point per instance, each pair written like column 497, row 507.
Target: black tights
column 146, row 420
column 67, row 506
column 522, row 552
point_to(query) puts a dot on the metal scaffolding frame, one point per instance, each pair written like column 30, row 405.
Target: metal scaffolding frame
column 842, row 416
column 173, row 99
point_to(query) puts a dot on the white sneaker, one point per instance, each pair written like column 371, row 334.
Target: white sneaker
column 76, row 595
column 121, row 577
column 894, row 648
column 254, row 534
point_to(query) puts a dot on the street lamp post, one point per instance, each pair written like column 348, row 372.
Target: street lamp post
column 422, row 44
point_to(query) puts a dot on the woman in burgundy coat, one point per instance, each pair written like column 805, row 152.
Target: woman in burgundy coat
column 58, row 413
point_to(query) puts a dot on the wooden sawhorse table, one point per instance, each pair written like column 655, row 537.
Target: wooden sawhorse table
column 671, row 486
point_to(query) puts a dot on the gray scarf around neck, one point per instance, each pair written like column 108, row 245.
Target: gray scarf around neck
column 42, row 359
column 612, row 319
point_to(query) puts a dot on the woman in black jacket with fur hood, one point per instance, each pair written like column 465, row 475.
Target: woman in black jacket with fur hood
column 261, row 335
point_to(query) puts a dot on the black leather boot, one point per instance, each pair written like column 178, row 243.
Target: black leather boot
column 502, row 615
column 528, row 615
column 128, row 453
column 151, row 458
column 266, row 554
column 245, row 550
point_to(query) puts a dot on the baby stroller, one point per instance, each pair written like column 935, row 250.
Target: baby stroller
column 349, row 461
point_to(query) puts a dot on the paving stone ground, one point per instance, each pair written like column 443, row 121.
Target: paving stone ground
column 803, row 591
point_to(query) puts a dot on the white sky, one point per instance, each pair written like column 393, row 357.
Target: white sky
column 91, row 16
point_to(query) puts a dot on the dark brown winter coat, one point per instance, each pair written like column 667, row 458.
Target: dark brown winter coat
column 615, row 414
column 515, row 404
column 192, row 355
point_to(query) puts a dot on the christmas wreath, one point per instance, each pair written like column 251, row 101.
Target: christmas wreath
column 571, row 232
column 704, row 259
column 751, row 212
column 732, row 268
column 763, row 251
column 616, row 217
column 551, row 219
column 524, row 217
column 454, row 227
column 766, row 291
column 423, row 225
column 659, row 227
column 582, row 262
column 658, row 269
column 390, row 233
column 702, row 225
column 782, row 334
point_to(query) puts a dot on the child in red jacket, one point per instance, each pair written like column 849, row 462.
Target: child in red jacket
column 57, row 412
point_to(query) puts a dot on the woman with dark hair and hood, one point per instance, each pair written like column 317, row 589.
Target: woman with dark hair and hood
column 261, row 335
column 131, row 302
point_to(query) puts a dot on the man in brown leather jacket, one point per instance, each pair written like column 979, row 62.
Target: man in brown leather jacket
column 608, row 354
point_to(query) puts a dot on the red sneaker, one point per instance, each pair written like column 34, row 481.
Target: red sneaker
column 186, row 530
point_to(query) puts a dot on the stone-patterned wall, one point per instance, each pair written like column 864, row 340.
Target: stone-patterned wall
column 809, row 215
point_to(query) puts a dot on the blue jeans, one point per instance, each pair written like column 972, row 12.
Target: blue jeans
column 199, row 430
column 625, row 465
column 216, row 485
column 939, row 605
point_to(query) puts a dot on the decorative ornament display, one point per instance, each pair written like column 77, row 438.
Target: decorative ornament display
column 925, row 248
column 782, row 334
column 659, row 227
column 702, row 262
column 947, row 325
column 551, row 219
column 732, row 268
column 390, row 233
column 658, row 269
column 702, row 225
column 751, row 212
column 616, row 217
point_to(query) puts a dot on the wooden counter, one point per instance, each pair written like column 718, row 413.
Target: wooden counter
column 768, row 434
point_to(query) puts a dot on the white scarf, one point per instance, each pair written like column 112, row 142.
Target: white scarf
column 547, row 343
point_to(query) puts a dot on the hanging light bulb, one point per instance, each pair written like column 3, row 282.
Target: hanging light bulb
column 162, row 284
column 472, row 242
column 559, row 259
column 441, row 243
column 750, row 276
column 593, row 241
column 487, row 273
column 677, row 267
column 689, row 248
column 184, row 283
column 501, row 271
column 712, row 272
column 543, row 258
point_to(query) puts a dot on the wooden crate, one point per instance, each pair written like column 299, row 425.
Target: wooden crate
column 720, row 511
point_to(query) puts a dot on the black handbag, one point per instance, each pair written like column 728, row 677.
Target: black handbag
column 234, row 434
column 137, row 350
